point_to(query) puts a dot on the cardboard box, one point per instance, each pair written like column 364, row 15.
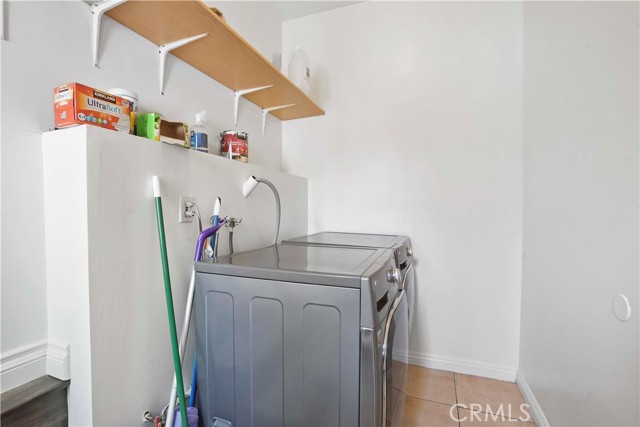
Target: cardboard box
column 153, row 126
column 76, row 104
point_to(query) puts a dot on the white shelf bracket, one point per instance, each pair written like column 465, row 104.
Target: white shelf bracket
column 97, row 10
column 164, row 49
column 236, row 97
column 267, row 110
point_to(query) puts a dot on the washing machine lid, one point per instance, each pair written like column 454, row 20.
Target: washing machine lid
column 349, row 239
column 332, row 266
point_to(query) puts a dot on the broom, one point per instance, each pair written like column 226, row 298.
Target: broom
column 169, row 297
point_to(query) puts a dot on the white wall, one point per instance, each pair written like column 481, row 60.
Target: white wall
column 105, row 290
column 423, row 136
column 257, row 21
column 48, row 44
column 581, row 211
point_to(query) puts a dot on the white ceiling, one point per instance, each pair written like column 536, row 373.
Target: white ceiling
column 283, row 10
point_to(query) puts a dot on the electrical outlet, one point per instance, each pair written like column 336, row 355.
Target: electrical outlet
column 182, row 208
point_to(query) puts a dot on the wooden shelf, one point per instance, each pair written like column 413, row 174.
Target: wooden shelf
column 223, row 55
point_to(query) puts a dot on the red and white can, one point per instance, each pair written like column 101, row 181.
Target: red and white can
column 234, row 145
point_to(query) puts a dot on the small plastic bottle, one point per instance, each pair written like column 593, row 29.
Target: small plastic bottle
column 199, row 139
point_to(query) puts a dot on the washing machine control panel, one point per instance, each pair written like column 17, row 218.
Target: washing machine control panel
column 380, row 291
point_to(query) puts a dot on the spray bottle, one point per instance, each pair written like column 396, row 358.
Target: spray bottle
column 199, row 140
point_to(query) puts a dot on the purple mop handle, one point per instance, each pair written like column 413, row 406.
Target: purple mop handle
column 206, row 233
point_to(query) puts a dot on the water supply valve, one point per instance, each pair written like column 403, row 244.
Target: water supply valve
column 232, row 222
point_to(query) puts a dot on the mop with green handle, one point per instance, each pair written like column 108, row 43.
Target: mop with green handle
column 167, row 289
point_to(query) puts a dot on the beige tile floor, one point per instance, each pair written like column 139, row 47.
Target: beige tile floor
column 439, row 398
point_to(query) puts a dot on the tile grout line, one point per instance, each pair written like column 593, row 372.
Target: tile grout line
column 507, row 419
column 455, row 391
column 455, row 386
column 431, row 401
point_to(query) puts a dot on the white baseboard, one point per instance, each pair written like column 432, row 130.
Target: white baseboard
column 23, row 364
column 26, row 363
column 463, row 366
column 530, row 399
column 58, row 359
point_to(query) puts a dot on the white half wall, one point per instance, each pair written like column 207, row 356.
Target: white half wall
column 48, row 44
column 105, row 287
column 581, row 218
column 423, row 136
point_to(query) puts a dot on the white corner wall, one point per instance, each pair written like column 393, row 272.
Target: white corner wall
column 423, row 136
column 48, row 44
column 581, row 218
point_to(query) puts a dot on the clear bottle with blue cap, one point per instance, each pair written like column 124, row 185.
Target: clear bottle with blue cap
column 199, row 139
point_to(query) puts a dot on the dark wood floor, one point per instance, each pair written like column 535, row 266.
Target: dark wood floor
column 41, row 402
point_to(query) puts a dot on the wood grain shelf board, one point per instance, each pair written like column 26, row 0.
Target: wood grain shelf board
column 223, row 55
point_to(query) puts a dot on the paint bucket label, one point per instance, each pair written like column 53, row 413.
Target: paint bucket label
column 234, row 145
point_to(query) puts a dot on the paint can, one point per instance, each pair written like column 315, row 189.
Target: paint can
column 234, row 145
